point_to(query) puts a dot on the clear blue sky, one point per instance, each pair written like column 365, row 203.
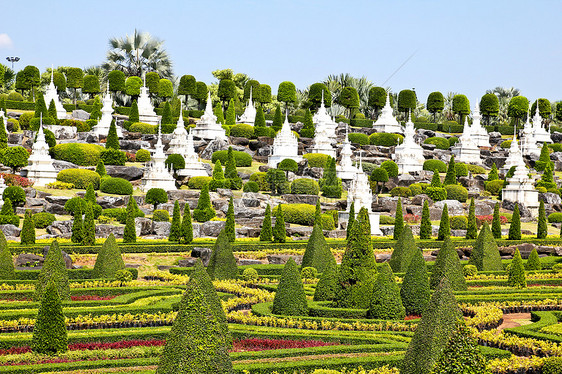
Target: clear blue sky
column 467, row 46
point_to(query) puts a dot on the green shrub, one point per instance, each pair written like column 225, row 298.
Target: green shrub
column 123, row 276
column 156, row 196
column 386, row 220
column 326, row 286
column 116, row 186
column 506, row 144
column 242, row 130
column 290, row 298
column 49, row 333
column 401, row 192
column 448, row 265
column 516, row 273
column 143, row 128
column 242, row 158
column 14, row 96
column 299, row 214
column 456, row 192
column 316, row 160
column 385, row 139
column 222, row 264
column 80, row 178
column 494, row 187
column 251, row 187
column 458, row 223
column 204, row 210
column 391, row 168
column 109, row 260
column 175, row 162
column 435, row 165
column 259, row 178
column 161, row 215
column 386, row 302
column 475, row 169
column 485, row 254
column 552, row 365
column 78, row 153
column 142, row 155
column 358, row 138
column 6, row 262
column 555, row 217
column 43, row 219
column 415, row 290
column 452, row 141
column 9, row 220
column 279, row 231
column 309, row 273
column 197, row 183
column 436, row 193
column 328, row 222
column 440, row 143
column 534, row 261
column 250, row 274
column 415, row 189
column 54, row 269
column 27, row 235
column 15, row 194
column 469, row 270
column 461, row 170
column 305, row 186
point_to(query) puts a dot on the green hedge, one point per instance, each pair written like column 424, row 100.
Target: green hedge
column 80, row 178
column 78, row 153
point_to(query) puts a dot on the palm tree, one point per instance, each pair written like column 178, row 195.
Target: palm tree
column 138, row 53
column 504, row 97
column 336, row 83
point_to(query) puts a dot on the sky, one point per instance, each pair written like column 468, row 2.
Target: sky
column 455, row 46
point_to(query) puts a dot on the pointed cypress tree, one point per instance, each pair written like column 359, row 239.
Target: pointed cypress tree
column 496, row 223
column 54, row 269
column 415, row 291
column 222, row 264
column 425, row 224
column 534, row 261
column 7, row 270
column 290, row 299
column 90, row 195
column 350, row 220
column 230, row 114
column 219, row 113
column 308, row 127
column 542, row 230
column 471, row 228
column 52, row 110
column 229, row 227
column 331, row 186
column 100, row 169
column 444, row 227
column 77, row 226
column 515, row 227
column 186, row 226
column 493, row 174
column 134, row 112
column 403, row 251
column 200, row 278
column 317, row 253
column 398, row 220
column 386, row 302
column 516, row 276
column 436, row 180
column 89, row 228
column 7, row 209
column 3, row 135
column 204, row 211
column 318, row 214
column 218, row 180
column 451, row 176
column 130, row 232
column 109, row 259
column 167, row 114
column 175, row 229
column 279, row 231
column 95, row 114
column 112, row 141
column 277, row 119
column 326, row 287
column 260, row 119
column 27, row 235
column 447, row 264
column 485, row 254
column 40, row 107
column 49, row 332
column 265, row 233
column 230, row 172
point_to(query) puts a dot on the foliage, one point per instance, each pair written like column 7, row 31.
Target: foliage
column 156, row 196
column 116, row 186
column 317, row 253
column 229, row 227
column 108, row 260
column 358, row 138
column 305, row 186
column 265, row 232
column 385, row 139
column 307, row 130
column 222, row 264
column 186, row 233
column 386, row 302
column 175, row 229
column 439, row 142
column 230, row 172
column 534, row 261
column 15, row 157
column 277, row 119
column 435, row 103
column 485, row 254
column 43, row 219
column 542, row 229
column 77, row 226
column 451, row 176
column 415, row 290
column 6, row 262
column 456, row 192
column 516, row 274
column 447, row 265
column 425, row 225
column 435, row 165
column 326, row 287
column 89, row 230
column 391, row 168
column 49, row 332
column 316, row 160
column 161, row 215
column 398, row 221
column 407, row 101
column 100, row 168
column 78, row 153
column 242, row 130
column 27, row 235
column 14, row 194
column 287, row 92
column 116, row 80
column 275, row 178
column 80, row 178
column 515, row 227
column 444, row 227
column 242, row 158
column 53, row 270
column 279, row 232
column 349, row 99
column 197, row 183
column 204, row 210
column 290, row 298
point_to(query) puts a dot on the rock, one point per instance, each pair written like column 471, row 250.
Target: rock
column 523, row 210
column 143, row 226
column 299, row 231
column 239, row 141
column 250, row 199
column 63, row 132
column 34, row 202
column 300, row 199
column 134, row 145
column 458, row 233
column 406, row 180
column 60, row 228
column 212, row 228
column 55, row 209
column 224, row 192
column 524, row 248
column 282, row 259
column 183, row 194
column 429, row 147
column 29, row 260
column 213, row 146
column 129, row 173
column 10, row 230
column 60, row 200
column 550, row 198
column 203, row 253
column 107, row 202
column 186, row 262
column 80, row 114
column 249, row 261
column 65, row 256
column 103, row 231
column 382, row 257
column 483, row 208
column 30, row 192
column 62, row 165
column 161, row 228
column 419, row 200
column 454, row 207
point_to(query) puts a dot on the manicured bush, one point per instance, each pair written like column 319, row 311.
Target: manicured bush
column 475, row 169
column 415, row 291
column 80, row 178
column 15, row 194
column 78, row 153
column 425, row 224
column 300, row 214
column 116, row 186
column 485, row 254
column 326, row 287
column 451, row 176
column 494, row 187
column 27, row 235
column 242, row 158
column 156, row 196
column 555, row 217
column 175, row 162
column 229, row 226
column 242, row 130
column 444, row 226
column 436, row 193
column 386, row 302
column 279, row 232
column 534, row 261
column 109, row 260
column 266, row 229
column 49, row 332
column 458, row 223
column 186, row 232
column 309, row 273
column 358, row 138
column 448, row 265
column 469, row 271
column 53, row 270
column 161, row 215
column 15, row 157
column 251, row 187
column 222, row 264
column 143, row 128
column 461, row 170
column 542, row 229
column 515, row 227
column 290, row 298
column 6, row 262
column 435, row 165
column 401, row 192
column 89, row 231
column 43, row 219
column 175, row 229
column 305, row 186
column 250, row 275
column 456, row 192
column 317, row 253
column 316, row 160
column 440, row 143
column 552, row 365
column 142, row 155
column 197, row 183
column 516, row 274
column 391, row 168
column 385, row 139
column 204, row 210
column 113, row 157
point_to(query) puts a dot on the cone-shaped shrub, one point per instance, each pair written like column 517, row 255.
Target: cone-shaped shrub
column 54, row 269
column 403, row 251
column 89, row 227
column 229, row 227
column 436, row 180
column 260, row 118
column 230, row 171
column 516, row 276
column 230, row 114
column 433, row 332
column 534, row 261
column 265, row 233
column 222, row 264
column 219, row 113
column 415, row 290
column 451, row 176
column 448, row 265
column 326, row 287
column 186, row 226
column 277, row 119
column 200, row 278
column 100, row 168
column 461, row 354
column 279, row 232
column 6, row 262
column 515, row 227
column 425, row 224
column 90, row 195
column 290, row 299
column 493, row 174
column 307, row 130
column 485, row 254
column 7, row 208
column 27, row 235
column 444, row 227
column 398, row 220
column 49, row 332
column 471, row 228
column 496, row 223
column 175, row 229
column 204, row 211
column 112, row 141
column 198, row 342
column 108, row 260
column 542, row 230
column 350, row 220
column 358, row 268
column 130, row 232
column 386, row 302
column 134, row 112
column 317, row 253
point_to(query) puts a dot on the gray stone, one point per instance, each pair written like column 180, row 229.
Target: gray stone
column 282, row 259
column 63, row 132
column 406, row 180
column 482, row 208
column 387, row 230
column 26, row 260
column 143, row 226
column 183, row 194
column 250, row 199
column 10, row 230
column 129, row 173
column 30, row 192
column 203, row 253
column 161, row 228
column 134, row 145
column 224, row 192
column 299, row 231
column 63, row 165
column 212, row 228
column 196, row 229
column 419, row 200
column 186, row 262
column 80, row 114
column 249, row 261
column 213, row 146
column 34, row 202
column 300, row 199
column 60, row 200
column 550, row 198
column 107, row 202
column 60, row 228
column 55, row 209
column 454, row 207
column 523, row 211
column 103, row 231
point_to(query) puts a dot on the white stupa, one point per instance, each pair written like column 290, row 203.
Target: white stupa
column 207, row 127
column 466, row 150
column 40, row 168
column 178, row 143
column 521, row 189
column 158, row 176
column 479, row 133
column 285, row 145
column 51, row 94
column 513, row 157
column 409, row 155
column 529, row 146
column 249, row 115
column 193, row 165
column 322, row 142
column 541, row 135
column 102, row 127
column 2, row 188
column 386, row 121
column 323, row 122
column 146, row 110
column 345, row 170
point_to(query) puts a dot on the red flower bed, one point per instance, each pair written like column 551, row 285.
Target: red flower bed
column 16, row 180
column 411, row 218
column 411, row 316
column 488, row 219
column 267, row 344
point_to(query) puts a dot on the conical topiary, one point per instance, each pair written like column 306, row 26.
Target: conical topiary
column 130, row 232
column 49, row 332
column 186, row 226
column 398, row 220
column 444, row 226
column 451, row 176
column 485, row 254
column 350, row 220
column 326, row 287
column 265, row 233
column 542, row 229
column 403, row 251
column 279, row 232
column 472, row 227
column 230, row 171
column 89, row 228
column 317, row 253
column 534, row 261
column 167, row 114
column 109, row 260
column 496, row 223
column 425, row 224
column 90, row 196
column 515, row 227
column 52, row 110
column 290, row 299
column 7, row 208
column 230, row 114
column 200, row 278
column 307, row 130
column 27, row 235
column 260, row 118
column 415, row 291
column 219, row 113
column 100, row 168
column 54, row 269
column 386, row 302
column 229, row 226
column 447, row 264
column 222, row 264
column 175, row 229
column 77, row 226
column 134, row 112
column 493, row 174
column 7, row 270
column 204, row 211
column 516, row 276
column 112, row 141
column 277, row 119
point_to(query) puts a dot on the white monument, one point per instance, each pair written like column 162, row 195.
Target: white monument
column 386, row 121
column 529, row 146
column 178, row 143
column 2, row 188
column 40, row 168
column 207, row 127
column 521, row 189
column 323, row 121
column 479, row 133
column 345, row 170
column 466, row 150
column 146, row 110
column 409, row 155
column 158, row 176
column 322, row 142
column 513, row 157
column 249, row 115
column 51, row 94
column 285, row 145
column 193, row 165
column 102, row 127
column 541, row 135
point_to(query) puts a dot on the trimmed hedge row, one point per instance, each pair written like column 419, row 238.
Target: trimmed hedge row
column 72, row 274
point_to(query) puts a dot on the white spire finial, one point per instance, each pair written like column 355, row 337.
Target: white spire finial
column 107, row 88
column 250, row 102
column 144, row 79
column 52, row 73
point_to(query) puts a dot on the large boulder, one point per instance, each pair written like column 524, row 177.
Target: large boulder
column 60, row 228
column 29, row 260
column 55, row 209
column 161, row 228
column 213, row 146
column 183, row 194
column 454, row 207
column 62, row 165
column 212, row 228
column 80, row 114
column 107, row 202
column 59, row 200
column 143, row 226
column 129, row 173
column 282, row 259
column 10, row 230
column 103, row 231
column 203, row 253
column 300, row 199
column 550, row 198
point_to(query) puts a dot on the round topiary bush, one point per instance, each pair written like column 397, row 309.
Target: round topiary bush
column 161, row 215
column 197, row 183
column 175, row 162
column 143, row 128
column 43, row 219
column 385, row 139
column 113, row 157
column 416, row 188
column 16, row 194
column 436, row 193
column 475, row 169
column 250, row 274
column 470, row 270
column 299, row 214
column 401, row 192
column 78, row 153
column 506, row 144
column 494, row 187
column 358, row 138
column 116, row 186
column 452, row 141
column 242, row 130
column 142, row 155
column 316, row 160
column 15, row 96
column 458, row 222
column 309, row 273
column 435, row 165
column 456, row 192
column 440, row 143
column 80, row 178
column 461, row 170
column 288, row 164
column 251, row 187
column 305, row 186
column 25, row 120
column 391, row 168
column 242, row 158
column 555, row 217
column 327, row 221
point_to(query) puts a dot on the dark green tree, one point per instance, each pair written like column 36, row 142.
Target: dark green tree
column 545, row 108
column 377, row 99
column 542, row 229
column 407, row 101
column 398, row 220
column 112, row 141
column 252, row 86
column 54, row 269
column 496, row 223
column 386, row 302
column 204, row 211
column 27, row 235
column 156, row 196
column 425, row 224
column 222, row 264
column 326, row 287
column 186, row 236
column 175, row 229
column 379, row 176
column 130, row 232
column 290, row 298
column 187, row 86
column 315, row 94
column 109, row 260
column 331, row 184
column 444, row 226
column 165, row 88
column 279, row 231
column 152, row 79
column 403, row 251
column 308, row 127
column 275, row 178
column 317, row 253
column 451, row 176
column 230, row 114
column 40, row 107
column 52, row 111
column 219, row 113
column 91, row 85
column 489, row 106
column 265, row 93
column 349, row 99
column 493, row 174
column 435, row 104
column 167, row 114
column 77, row 226
column 229, row 227
column 230, row 171
column 74, row 80
column 485, row 254
column 518, row 108
column 515, row 227
column 287, row 93
column 260, row 118
column 226, row 91
column 448, row 265
column 472, row 227
column 49, row 332
column 7, row 270
column 134, row 112
column 89, row 228
column 534, row 261
column 201, row 95
column 544, row 159
column 116, row 80
column 265, row 233
column 350, row 220
column 415, row 291
column 95, row 114
column 277, row 119
column 461, row 107
column 516, row 275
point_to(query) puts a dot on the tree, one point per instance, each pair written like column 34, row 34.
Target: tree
column 350, row 220
column 534, row 261
column 472, row 227
column 229, row 227
column 53, row 270
column 398, row 220
column 515, row 227
column 349, row 99
column 89, row 231
column 156, row 196
column 542, row 229
column 425, row 224
column 28, row 229
column 444, row 227
column 435, row 104
column 201, row 95
column 49, row 332
column 74, row 80
column 315, row 93
column 415, row 290
column 279, row 232
column 7, row 208
column 91, row 85
column 187, row 86
column 275, row 178
column 403, row 251
column 277, row 119
column 448, row 265
column 137, row 53
column 165, row 88
column 222, row 264
column 496, row 223
column 260, row 119
column 231, row 114
column 386, row 302
column 516, row 275
column 21, row 83
column 485, row 254
column 186, row 236
column 358, row 268
column 218, row 180
column 461, row 106
column 489, row 106
column 288, row 165
column 326, row 287
column 95, row 114
column 152, row 79
column 377, row 99
column 40, row 107
column 116, row 80
column 451, row 176
column 493, row 174
column 134, row 112
column 407, row 101
column 379, row 175
column 109, row 260
column 175, row 229
column 265, row 93
column 317, row 253
column 32, row 78
column 7, row 270
column 52, row 111
column 518, row 108
column 287, row 93
column 3, row 135
column 226, row 91
column 204, row 211
column 544, row 159
column 545, row 108
column 112, row 141
column 290, row 299
column 77, row 226
column 331, row 184
column 130, row 232
column 265, row 233
column 307, row 130
column 253, row 86
column 133, row 85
